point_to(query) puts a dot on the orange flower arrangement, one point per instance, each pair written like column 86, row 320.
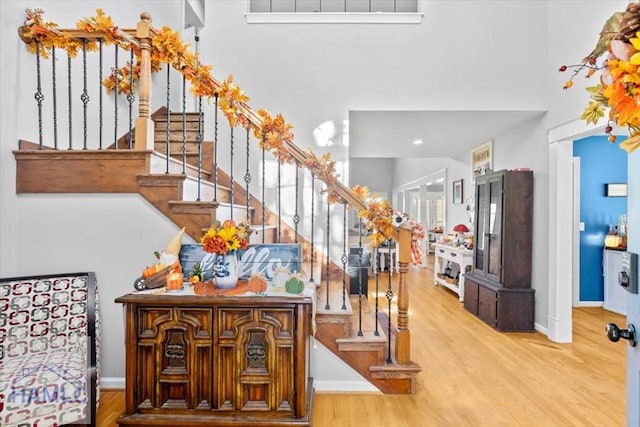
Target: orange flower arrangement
column 618, row 51
column 227, row 238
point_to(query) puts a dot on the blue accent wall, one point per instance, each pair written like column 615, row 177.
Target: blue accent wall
column 600, row 163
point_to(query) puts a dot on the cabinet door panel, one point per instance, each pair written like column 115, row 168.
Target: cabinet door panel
column 515, row 310
column 471, row 296
column 487, row 305
column 174, row 358
column 255, row 359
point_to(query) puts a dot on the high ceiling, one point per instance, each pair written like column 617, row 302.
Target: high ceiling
column 390, row 134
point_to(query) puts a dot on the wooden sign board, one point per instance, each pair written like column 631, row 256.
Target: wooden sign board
column 262, row 259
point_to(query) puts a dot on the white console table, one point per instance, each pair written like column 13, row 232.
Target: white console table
column 453, row 254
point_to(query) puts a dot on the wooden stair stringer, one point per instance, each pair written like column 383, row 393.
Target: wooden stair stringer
column 79, row 171
column 367, row 354
column 164, row 192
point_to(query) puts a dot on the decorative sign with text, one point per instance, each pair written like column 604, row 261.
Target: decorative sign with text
column 262, row 259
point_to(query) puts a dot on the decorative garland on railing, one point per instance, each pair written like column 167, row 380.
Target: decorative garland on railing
column 378, row 217
column 167, row 47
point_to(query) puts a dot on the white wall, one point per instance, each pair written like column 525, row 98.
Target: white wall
column 375, row 174
column 112, row 235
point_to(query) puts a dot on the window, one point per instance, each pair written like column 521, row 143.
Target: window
column 332, row 6
column 333, row 11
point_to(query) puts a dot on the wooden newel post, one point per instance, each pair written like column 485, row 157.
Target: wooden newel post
column 403, row 339
column 144, row 137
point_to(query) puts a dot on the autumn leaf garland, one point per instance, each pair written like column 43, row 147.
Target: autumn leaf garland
column 272, row 132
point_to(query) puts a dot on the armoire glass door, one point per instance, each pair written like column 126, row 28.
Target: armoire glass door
column 494, row 241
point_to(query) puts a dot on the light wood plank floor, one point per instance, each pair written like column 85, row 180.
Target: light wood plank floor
column 475, row 376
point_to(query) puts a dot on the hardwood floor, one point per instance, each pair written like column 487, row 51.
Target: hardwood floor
column 475, row 376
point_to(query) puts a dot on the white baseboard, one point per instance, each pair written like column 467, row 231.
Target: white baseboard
column 542, row 329
column 118, row 383
column 590, row 303
column 344, row 387
column 112, row 383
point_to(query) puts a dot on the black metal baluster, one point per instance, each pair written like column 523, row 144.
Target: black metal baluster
column 263, row 190
column 55, row 98
column 199, row 139
column 168, row 130
column 375, row 254
column 313, row 204
column 100, row 91
column 215, row 148
column 131, row 98
column 360, row 284
column 344, row 258
column 279, row 200
column 233, row 196
column 70, row 100
column 389, row 298
column 296, row 215
column 200, row 136
column 247, row 175
column 327, row 305
column 115, row 102
column 85, row 95
column 184, row 125
column 39, row 97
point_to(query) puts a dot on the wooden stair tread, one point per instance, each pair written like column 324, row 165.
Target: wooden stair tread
column 368, row 324
column 336, row 301
column 411, row 368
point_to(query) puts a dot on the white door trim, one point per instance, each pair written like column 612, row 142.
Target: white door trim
column 559, row 321
column 575, row 265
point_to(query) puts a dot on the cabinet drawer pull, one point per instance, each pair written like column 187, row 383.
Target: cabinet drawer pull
column 441, row 251
column 452, row 254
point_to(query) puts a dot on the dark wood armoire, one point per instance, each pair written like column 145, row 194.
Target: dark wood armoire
column 498, row 290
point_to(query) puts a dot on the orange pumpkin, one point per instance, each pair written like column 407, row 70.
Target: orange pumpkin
column 257, row 283
column 150, row 270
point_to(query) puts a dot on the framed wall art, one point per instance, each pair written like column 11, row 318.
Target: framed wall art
column 481, row 159
column 457, row 192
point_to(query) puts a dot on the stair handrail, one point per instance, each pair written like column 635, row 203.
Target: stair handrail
column 35, row 31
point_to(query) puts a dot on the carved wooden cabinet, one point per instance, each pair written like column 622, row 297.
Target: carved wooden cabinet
column 204, row 360
column 498, row 290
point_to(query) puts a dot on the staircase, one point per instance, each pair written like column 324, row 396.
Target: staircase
column 180, row 178
column 125, row 171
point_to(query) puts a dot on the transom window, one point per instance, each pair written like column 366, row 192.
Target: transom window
column 333, row 6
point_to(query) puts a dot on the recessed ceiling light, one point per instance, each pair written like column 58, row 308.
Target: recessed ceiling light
column 417, row 141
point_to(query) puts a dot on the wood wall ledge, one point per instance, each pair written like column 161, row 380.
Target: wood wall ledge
column 50, row 154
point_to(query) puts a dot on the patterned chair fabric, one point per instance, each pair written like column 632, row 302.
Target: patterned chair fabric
column 49, row 355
